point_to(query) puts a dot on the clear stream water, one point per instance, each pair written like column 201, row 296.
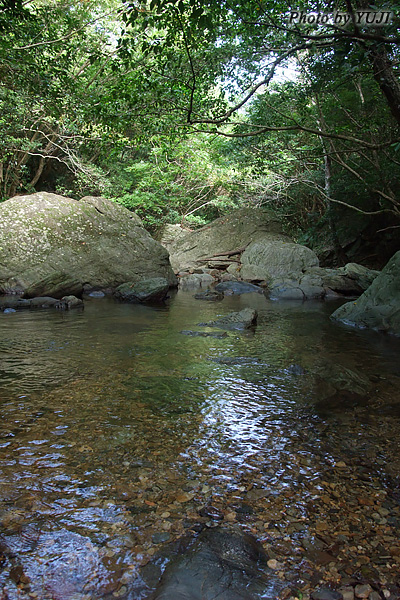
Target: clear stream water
column 118, row 433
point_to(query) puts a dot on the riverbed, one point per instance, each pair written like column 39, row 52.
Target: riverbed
column 120, row 436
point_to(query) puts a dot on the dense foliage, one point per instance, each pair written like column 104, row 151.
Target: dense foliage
column 182, row 109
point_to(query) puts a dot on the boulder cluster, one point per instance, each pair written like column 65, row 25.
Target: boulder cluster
column 54, row 249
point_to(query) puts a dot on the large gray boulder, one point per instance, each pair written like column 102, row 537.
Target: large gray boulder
column 93, row 241
column 379, row 306
column 170, row 233
column 269, row 259
column 230, row 232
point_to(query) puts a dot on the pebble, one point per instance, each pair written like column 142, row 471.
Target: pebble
column 362, row 591
column 161, row 537
column 326, row 594
column 121, row 592
column 347, row 593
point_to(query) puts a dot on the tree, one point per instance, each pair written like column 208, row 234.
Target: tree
column 252, row 39
column 57, row 67
column 244, row 46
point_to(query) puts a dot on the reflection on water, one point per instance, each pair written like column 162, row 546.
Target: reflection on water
column 116, row 429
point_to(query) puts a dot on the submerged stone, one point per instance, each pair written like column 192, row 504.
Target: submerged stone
column 244, row 319
column 209, row 295
column 147, row 290
column 326, row 594
column 220, row 564
column 238, row 287
column 204, row 334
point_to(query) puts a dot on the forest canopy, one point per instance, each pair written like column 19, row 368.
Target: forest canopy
column 182, row 110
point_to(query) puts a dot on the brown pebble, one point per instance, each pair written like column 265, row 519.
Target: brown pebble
column 362, row 591
column 347, row 592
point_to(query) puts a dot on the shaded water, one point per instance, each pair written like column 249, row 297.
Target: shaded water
column 119, row 433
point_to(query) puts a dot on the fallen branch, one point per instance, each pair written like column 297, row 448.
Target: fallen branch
column 218, row 260
column 231, row 252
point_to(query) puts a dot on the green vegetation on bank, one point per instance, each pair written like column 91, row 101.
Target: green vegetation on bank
column 183, row 110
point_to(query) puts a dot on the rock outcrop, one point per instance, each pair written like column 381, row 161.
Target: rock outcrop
column 379, row 306
column 196, row 280
column 249, row 245
column 170, row 233
column 227, row 233
column 93, row 242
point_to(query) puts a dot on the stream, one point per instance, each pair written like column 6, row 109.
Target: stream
column 119, row 436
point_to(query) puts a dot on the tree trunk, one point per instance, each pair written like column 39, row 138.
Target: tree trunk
column 328, row 148
column 340, row 254
column 382, row 68
column 383, row 74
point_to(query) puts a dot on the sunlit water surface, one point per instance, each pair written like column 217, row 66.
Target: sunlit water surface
column 117, row 429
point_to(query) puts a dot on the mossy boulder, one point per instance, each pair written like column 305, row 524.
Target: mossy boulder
column 268, row 259
column 93, row 242
column 379, row 306
column 148, row 290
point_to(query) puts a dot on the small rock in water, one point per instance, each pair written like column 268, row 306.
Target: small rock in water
column 326, row 594
column 347, row 592
column 211, row 513
column 295, row 370
column 244, row 319
column 209, row 295
column 97, row 294
column 204, row 334
column 362, row 591
column 161, row 537
column 7, row 311
column 238, row 287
